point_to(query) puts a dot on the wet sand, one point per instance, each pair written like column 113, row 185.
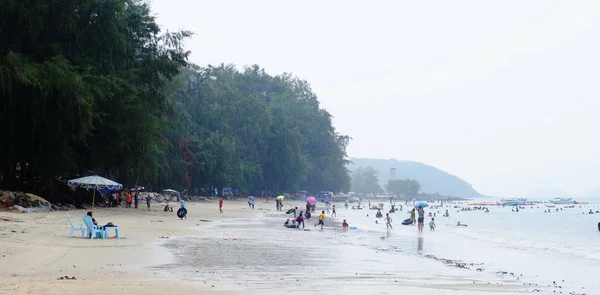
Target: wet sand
column 260, row 255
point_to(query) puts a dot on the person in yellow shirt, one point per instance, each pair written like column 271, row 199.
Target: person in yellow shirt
column 321, row 220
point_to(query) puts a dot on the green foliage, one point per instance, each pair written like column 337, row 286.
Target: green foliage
column 82, row 86
column 94, row 85
column 403, row 186
column 254, row 132
column 364, row 180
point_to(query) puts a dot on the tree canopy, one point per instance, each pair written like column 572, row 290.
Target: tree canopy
column 364, row 180
column 403, row 186
column 95, row 86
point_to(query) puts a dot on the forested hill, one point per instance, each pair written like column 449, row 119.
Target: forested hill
column 94, row 86
column 432, row 180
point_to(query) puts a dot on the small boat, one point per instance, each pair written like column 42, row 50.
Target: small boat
column 562, row 201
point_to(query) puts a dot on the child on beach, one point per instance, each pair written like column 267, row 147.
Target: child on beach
column 432, row 224
column 321, row 220
column 345, row 224
column 388, row 220
column 333, row 214
column 221, row 206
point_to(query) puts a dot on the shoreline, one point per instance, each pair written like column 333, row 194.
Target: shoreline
column 241, row 251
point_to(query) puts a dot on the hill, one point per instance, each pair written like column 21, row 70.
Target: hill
column 432, row 180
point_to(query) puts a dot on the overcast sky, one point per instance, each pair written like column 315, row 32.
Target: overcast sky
column 504, row 94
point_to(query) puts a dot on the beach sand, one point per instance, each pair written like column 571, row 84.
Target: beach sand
column 36, row 250
column 242, row 251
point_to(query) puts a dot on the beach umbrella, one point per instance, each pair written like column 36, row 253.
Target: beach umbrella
column 251, row 197
column 422, row 204
column 311, row 200
column 95, row 182
column 280, row 197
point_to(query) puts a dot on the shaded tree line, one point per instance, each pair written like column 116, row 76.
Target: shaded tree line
column 95, row 86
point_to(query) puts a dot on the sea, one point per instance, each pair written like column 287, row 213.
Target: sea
column 529, row 251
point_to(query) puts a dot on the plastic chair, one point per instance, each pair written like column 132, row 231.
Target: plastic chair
column 93, row 231
column 75, row 226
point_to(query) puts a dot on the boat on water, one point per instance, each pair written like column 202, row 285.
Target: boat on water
column 559, row 201
column 513, row 200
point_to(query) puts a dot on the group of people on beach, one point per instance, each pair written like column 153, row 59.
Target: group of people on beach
column 299, row 217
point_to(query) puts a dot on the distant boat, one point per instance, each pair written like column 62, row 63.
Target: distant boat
column 513, row 200
column 562, row 201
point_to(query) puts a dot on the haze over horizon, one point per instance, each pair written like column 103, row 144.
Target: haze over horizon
column 501, row 94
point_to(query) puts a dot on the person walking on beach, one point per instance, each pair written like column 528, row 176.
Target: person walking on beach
column 221, row 205
column 412, row 216
column 333, row 214
column 148, row 199
column 327, row 205
column 252, row 203
column 388, row 220
column 432, row 224
column 136, row 198
column 321, row 220
column 346, row 205
column 421, row 218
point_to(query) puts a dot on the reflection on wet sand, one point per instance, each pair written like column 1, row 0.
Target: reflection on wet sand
column 261, row 255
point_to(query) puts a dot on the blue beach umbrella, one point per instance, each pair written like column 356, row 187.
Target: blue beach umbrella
column 422, row 204
column 251, row 197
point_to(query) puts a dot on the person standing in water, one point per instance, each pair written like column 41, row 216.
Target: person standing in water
column 346, row 205
column 421, row 219
column 432, row 224
column 321, row 220
column 388, row 220
column 412, row 216
column 333, row 214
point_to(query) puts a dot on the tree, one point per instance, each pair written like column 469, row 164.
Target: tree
column 364, row 180
column 405, row 187
column 83, row 87
column 94, row 86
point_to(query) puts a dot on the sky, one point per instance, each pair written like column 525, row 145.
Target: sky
column 504, row 94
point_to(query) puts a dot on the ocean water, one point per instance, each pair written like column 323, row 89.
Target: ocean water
column 502, row 251
column 542, row 247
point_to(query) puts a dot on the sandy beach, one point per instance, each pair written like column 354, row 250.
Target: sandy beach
column 36, row 250
column 241, row 251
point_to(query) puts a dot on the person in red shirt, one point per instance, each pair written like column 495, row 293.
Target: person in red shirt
column 221, row 205
column 345, row 224
column 128, row 200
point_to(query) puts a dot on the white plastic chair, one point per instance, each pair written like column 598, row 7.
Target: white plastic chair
column 75, row 226
column 93, row 231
